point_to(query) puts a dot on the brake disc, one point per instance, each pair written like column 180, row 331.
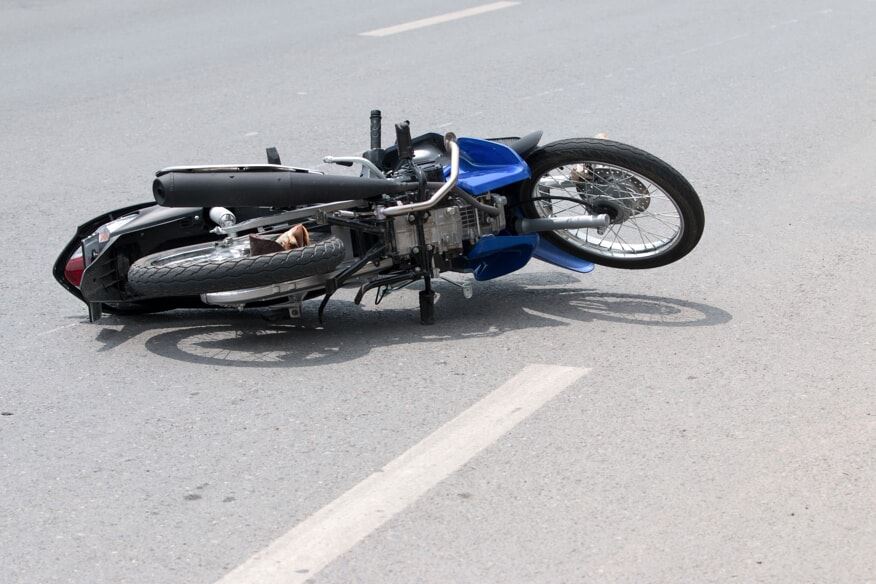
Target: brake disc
column 611, row 191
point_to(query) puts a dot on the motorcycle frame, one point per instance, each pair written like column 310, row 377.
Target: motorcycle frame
column 159, row 228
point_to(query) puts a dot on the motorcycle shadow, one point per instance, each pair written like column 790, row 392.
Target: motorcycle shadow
column 524, row 301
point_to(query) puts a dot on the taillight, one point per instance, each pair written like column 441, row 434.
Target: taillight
column 74, row 268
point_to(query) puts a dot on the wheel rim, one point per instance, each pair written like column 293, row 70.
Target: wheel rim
column 646, row 220
column 215, row 252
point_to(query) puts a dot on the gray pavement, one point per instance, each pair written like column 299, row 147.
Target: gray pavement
column 726, row 432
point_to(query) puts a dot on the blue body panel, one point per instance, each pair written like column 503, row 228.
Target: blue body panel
column 497, row 255
column 548, row 252
column 485, row 165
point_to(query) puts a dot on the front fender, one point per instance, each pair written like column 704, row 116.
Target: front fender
column 550, row 253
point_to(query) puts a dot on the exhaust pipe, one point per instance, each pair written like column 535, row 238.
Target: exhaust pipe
column 574, row 222
column 266, row 189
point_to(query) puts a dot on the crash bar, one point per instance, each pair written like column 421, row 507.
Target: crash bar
column 450, row 143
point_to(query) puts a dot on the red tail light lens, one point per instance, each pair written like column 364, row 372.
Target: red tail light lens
column 74, row 268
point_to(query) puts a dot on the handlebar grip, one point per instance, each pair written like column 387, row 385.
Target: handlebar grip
column 376, row 129
column 403, row 138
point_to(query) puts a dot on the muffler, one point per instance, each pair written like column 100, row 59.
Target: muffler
column 266, row 189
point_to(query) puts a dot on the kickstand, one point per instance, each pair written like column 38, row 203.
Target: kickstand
column 333, row 284
column 322, row 306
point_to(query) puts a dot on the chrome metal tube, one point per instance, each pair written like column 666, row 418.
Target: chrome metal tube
column 245, row 167
column 573, row 222
column 285, row 217
column 375, row 172
column 488, row 209
column 241, row 297
column 222, row 217
column 450, row 142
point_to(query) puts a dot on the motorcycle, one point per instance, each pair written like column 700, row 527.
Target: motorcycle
column 419, row 209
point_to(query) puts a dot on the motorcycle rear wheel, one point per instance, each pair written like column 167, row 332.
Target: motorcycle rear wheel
column 218, row 267
column 657, row 217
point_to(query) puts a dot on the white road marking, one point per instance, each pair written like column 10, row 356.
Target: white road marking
column 333, row 530
column 413, row 25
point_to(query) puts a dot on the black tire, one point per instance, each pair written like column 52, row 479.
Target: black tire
column 669, row 180
column 149, row 277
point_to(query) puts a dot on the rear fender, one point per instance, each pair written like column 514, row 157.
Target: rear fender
column 154, row 229
column 82, row 232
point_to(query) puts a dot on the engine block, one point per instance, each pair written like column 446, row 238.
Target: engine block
column 447, row 228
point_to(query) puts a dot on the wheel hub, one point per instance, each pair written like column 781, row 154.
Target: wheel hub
column 611, row 191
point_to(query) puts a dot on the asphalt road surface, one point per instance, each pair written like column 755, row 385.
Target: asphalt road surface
column 711, row 421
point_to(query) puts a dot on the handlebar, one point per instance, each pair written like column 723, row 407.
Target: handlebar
column 375, row 129
column 403, row 139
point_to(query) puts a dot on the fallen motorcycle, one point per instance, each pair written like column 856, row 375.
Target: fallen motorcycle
column 421, row 208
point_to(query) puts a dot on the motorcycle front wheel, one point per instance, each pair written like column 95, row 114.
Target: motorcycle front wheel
column 656, row 216
column 228, row 265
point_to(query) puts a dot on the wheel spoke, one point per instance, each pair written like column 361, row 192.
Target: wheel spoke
column 641, row 233
column 633, row 221
column 638, row 203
